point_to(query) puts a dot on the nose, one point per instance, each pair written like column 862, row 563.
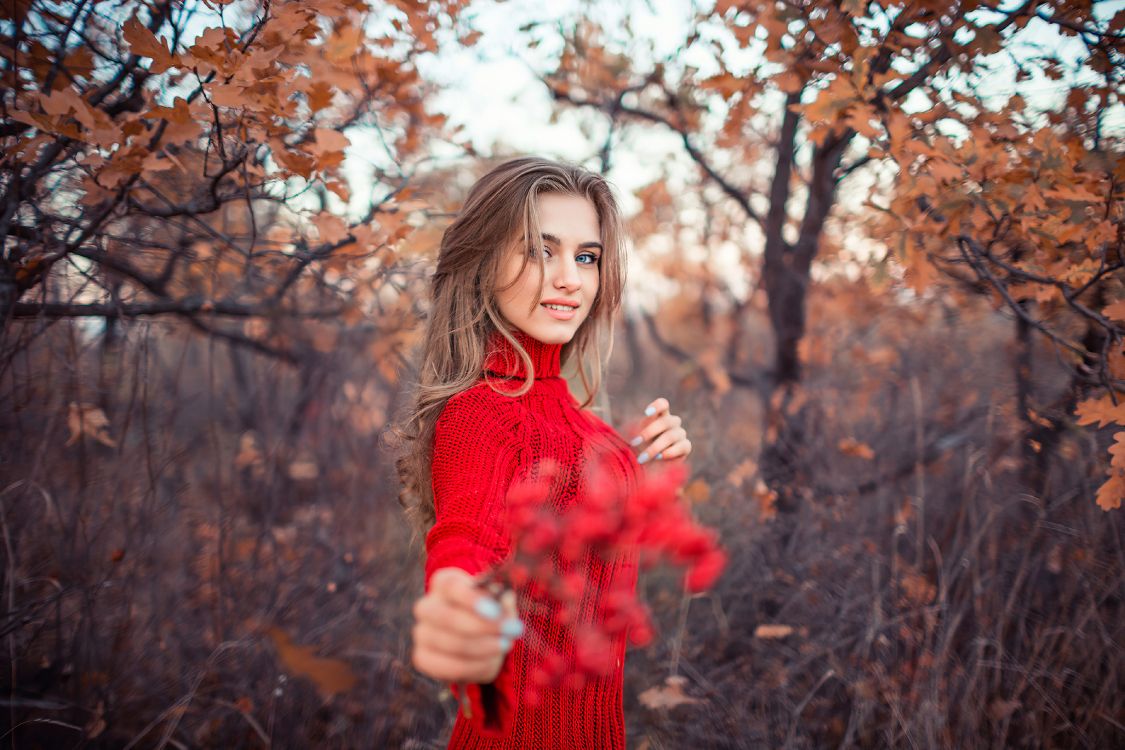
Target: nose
column 566, row 274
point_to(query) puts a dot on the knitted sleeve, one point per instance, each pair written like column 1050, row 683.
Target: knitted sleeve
column 476, row 458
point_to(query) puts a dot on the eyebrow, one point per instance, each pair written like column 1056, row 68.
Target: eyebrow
column 557, row 241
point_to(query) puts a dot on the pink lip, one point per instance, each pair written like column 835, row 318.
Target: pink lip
column 560, row 314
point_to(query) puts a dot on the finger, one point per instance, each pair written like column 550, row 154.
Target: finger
column 435, row 610
column 456, row 615
column 453, row 669
column 665, row 441
column 651, row 430
column 657, row 407
column 449, row 579
column 508, row 604
column 655, row 410
column 457, row 621
column 654, row 429
column 458, row 590
column 511, row 626
column 456, row 645
column 681, row 449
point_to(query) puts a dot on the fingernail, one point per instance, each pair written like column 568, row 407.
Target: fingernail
column 512, row 627
column 488, row 608
column 505, row 644
column 642, row 458
column 636, row 441
column 649, row 411
column 659, row 456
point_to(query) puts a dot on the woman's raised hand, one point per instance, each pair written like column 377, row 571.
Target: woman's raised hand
column 660, row 435
column 461, row 633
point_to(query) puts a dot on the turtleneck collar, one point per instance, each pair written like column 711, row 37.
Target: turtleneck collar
column 502, row 358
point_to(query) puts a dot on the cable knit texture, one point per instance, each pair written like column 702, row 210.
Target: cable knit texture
column 483, row 442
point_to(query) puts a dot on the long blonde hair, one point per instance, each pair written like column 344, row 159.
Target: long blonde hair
column 463, row 311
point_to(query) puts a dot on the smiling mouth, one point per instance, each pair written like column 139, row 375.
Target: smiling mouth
column 559, row 311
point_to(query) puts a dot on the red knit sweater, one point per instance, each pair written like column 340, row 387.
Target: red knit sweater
column 483, row 442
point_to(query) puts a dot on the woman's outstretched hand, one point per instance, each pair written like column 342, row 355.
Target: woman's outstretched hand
column 660, row 435
column 461, row 633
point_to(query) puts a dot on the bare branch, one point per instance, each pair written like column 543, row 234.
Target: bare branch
column 189, row 306
column 739, row 196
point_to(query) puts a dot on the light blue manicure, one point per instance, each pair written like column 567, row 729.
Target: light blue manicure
column 488, row 608
column 636, row 441
column 659, row 456
column 512, row 627
column 642, row 458
column 649, row 411
column 505, row 644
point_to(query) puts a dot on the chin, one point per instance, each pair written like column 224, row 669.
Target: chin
column 549, row 334
column 552, row 337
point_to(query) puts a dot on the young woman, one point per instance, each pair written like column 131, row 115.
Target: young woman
column 529, row 276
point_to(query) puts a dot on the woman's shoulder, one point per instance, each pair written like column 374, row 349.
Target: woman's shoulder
column 481, row 407
column 479, row 422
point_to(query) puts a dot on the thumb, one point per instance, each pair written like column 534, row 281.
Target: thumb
column 508, row 603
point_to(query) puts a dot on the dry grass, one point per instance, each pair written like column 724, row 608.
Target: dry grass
column 938, row 602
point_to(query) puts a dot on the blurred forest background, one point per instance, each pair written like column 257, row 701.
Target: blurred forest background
column 876, row 265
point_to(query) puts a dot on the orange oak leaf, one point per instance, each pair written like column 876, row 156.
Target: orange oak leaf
column 80, row 61
column 1101, row 410
column 1116, row 311
column 88, row 419
column 789, row 81
column 331, row 676
column 293, row 161
column 1111, row 493
column 144, row 43
column 852, row 447
column 860, row 118
column 742, row 472
column 47, row 123
column 698, row 491
column 767, row 501
column 331, row 227
column 320, row 95
column 1033, row 198
column 944, row 170
column 668, row 695
column 328, row 148
column 1075, row 193
column 182, row 126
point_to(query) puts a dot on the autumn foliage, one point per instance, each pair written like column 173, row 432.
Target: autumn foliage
column 1005, row 191
column 198, row 169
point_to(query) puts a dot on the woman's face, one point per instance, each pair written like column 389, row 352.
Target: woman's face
column 571, row 248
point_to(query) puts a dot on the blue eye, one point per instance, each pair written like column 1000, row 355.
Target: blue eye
column 532, row 251
column 593, row 259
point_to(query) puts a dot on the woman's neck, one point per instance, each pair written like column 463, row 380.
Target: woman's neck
column 502, row 358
